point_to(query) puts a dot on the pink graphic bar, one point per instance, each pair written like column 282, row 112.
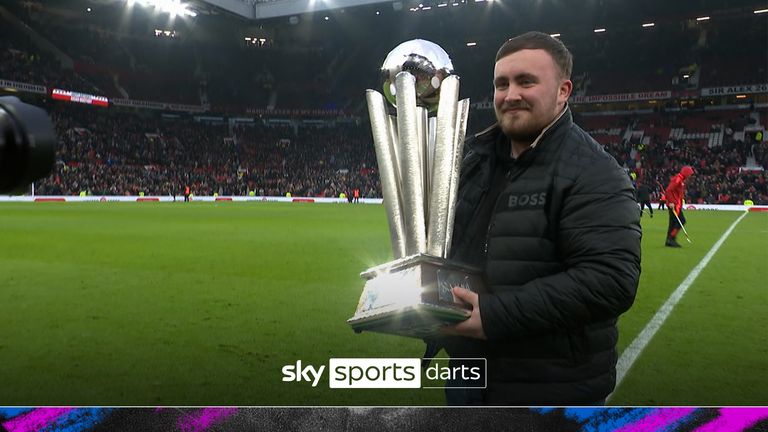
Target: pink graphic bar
column 735, row 420
column 657, row 420
column 35, row 420
column 204, row 419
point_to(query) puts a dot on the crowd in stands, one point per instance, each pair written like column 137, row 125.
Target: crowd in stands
column 320, row 70
column 720, row 175
column 113, row 152
column 316, row 161
column 322, row 65
column 718, row 179
column 120, row 153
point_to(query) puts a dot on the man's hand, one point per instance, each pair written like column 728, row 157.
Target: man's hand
column 473, row 326
column 677, row 208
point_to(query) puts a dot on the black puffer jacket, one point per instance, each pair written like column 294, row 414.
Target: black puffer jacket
column 559, row 239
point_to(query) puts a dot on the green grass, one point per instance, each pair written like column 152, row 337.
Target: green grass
column 713, row 348
column 202, row 304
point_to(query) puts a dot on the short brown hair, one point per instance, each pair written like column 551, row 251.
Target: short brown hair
column 538, row 40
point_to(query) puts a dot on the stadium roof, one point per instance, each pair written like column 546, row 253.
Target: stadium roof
column 261, row 9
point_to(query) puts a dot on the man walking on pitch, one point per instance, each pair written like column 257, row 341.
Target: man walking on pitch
column 644, row 198
column 675, row 193
column 552, row 220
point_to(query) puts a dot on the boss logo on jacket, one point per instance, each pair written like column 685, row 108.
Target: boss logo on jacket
column 534, row 200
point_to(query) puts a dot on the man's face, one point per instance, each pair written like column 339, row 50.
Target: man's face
column 528, row 93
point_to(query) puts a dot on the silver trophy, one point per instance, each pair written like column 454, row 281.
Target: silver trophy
column 419, row 158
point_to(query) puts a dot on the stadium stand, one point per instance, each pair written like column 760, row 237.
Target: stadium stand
column 301, row 91
column 119, row 153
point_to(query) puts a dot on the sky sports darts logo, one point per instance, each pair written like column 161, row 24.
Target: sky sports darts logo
column 367, row 373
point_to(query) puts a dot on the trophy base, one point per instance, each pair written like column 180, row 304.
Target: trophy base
column 412, row 296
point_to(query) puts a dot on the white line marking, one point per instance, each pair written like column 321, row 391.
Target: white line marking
column 633, row 351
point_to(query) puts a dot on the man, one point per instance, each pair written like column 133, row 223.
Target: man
column 552, row 220
column 644, row 198
column 675, row 193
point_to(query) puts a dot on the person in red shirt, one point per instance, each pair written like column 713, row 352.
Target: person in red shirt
column 675, row 193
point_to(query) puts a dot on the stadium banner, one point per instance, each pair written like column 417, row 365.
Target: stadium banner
column 25, row 87
column 83, row 98
column 178, row 198
column 235, row 419
column 158, row 105
column 297, row 199
column 621, row 97
column 732, row 90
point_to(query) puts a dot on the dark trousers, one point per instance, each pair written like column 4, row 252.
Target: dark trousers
column 644, row 204
column 674, row 225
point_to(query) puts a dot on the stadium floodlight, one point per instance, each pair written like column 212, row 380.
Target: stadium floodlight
column 702, row 18
column 646, row 25
column 173, row 7
column 759, row 11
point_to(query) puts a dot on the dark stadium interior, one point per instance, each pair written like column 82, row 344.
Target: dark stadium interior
column 287, row 114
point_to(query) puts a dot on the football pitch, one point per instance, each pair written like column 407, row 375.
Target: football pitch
column 203, row 304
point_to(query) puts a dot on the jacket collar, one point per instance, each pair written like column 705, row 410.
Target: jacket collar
column 551, row 126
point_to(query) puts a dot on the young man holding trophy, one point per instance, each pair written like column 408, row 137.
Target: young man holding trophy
column 551, row 219
column 523, row 252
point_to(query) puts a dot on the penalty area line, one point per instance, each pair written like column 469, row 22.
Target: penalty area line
column 633, row 351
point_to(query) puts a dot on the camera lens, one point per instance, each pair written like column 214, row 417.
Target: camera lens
column 27, row 140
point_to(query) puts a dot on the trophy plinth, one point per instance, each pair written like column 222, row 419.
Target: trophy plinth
column 411, row 296
column 418, row 158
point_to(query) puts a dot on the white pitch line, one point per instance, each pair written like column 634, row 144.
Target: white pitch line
column 633, row 351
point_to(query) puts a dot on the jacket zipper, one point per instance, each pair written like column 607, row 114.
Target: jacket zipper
column 507, row 176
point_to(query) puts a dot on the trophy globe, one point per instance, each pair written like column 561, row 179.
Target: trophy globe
column 427, row 61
